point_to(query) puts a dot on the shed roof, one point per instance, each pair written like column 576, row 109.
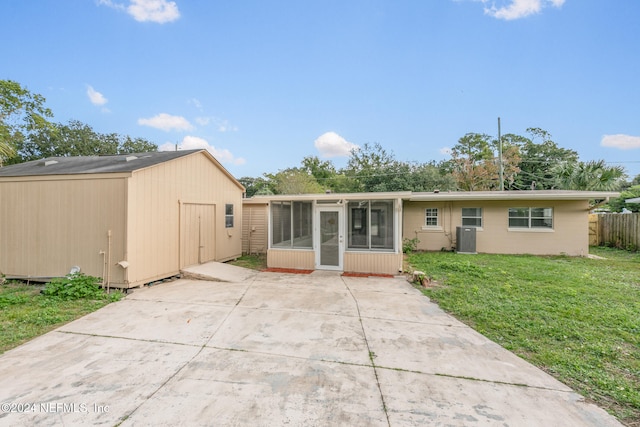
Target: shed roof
column 91, row 164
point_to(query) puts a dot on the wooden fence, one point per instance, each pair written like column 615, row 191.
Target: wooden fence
column 619, row 230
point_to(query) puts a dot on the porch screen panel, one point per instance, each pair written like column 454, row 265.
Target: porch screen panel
column 382, row 225
column 291, row 225
column 302, row 224
column 371, row 225
column 281, row 224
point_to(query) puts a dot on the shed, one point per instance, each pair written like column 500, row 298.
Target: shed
column 129, row 219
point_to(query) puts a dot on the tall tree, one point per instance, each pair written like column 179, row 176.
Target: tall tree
column 475, row 166
column 592, row 175
column 256, row 186
column 294, row 181
column 540, row 156
column 78, row 139
column 21, row 114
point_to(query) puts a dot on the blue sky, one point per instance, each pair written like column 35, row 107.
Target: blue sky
column 262, row 84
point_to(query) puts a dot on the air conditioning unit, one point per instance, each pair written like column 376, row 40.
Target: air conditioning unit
column 466, row 240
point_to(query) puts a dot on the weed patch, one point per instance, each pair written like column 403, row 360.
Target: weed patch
column 27, row 311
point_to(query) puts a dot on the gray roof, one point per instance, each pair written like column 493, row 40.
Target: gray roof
column 92, row 164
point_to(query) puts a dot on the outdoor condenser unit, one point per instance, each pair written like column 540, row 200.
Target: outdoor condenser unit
column 466, row 240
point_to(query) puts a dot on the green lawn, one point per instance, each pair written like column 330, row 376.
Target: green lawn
column 25, row 313
column 576, row 318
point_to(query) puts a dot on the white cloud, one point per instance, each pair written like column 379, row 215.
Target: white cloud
column 166, row 122
column 96, row 97
column 517, row 9
column 623, row 142
column 159, row 11
column 330, row 144
column 193, row 142
column 445, row 150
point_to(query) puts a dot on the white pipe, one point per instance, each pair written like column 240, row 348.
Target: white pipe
column 108, row 260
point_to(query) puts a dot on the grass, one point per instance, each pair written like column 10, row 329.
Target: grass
column 254, row 262
column 576, row 318
column 26, row 313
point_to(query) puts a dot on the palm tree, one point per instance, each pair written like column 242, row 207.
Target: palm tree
column 593, row 175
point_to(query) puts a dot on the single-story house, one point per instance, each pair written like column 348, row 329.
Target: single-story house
column 129, row 219
column 364, row 232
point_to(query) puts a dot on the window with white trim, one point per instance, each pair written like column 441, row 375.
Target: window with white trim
column 431, row 217
column 472, row 217
column 228, row 216
column 531, row 218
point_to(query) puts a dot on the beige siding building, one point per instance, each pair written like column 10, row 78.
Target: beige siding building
column 364, row 233
column 540, row 222
column 129, row 219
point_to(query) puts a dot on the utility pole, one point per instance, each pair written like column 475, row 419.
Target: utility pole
column 500, row 157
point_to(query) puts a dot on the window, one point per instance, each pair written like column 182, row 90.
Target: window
column 431, row 217
column 291, row 225
column 228, row 216
column 531, row 218
column 472, row 217
column 371, row 225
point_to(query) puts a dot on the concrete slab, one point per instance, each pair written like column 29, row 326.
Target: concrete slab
column 193, row 291
column 450, row 350
column 219, row 271
column 237, row 388
column 76, row 380
column 423, row 400
column 296, row 334
column 191, row 324
column 318, row 278
column 285, row 296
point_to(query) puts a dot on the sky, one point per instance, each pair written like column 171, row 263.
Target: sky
column 262, row 84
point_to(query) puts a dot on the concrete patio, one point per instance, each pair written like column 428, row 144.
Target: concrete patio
column 279, row 349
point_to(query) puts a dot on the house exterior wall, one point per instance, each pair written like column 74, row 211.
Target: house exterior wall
column 301, row 259
column 569, row 234
column 165, row 203
column 372, row 262
column 255, row 226
column 50, row 224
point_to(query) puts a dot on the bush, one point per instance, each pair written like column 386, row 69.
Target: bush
column 75, row 286
column 410, row 245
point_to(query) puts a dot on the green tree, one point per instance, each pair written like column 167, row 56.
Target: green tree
column 475, row 165
column 78, row 139
column 294, row 181
column 620, row 203
column 256, row 186
column 21, row 114
column 593, row 175
column 540, row 156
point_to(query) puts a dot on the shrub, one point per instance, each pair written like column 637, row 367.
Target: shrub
column 75, row 286
column 410, row 245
